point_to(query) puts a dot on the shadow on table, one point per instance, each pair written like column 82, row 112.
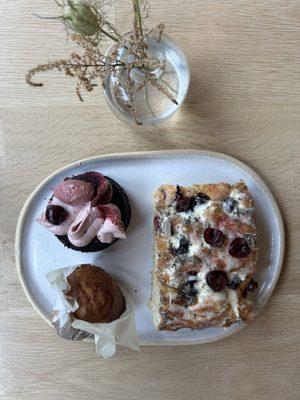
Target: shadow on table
column 196, row 124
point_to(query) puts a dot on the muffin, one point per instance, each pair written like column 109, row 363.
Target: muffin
column 99, row 297
column 87, row 212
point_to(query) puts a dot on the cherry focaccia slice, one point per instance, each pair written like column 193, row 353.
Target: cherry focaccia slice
column 205, row 256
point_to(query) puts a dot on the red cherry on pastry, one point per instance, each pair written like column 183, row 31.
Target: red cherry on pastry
column 217, row 280
column 74, row 192
column 214, row 237
column 55, row 214
column 239, row 248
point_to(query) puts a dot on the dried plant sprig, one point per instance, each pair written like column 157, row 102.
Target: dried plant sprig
column 157, row 30
column 91, row 65
column 88, row 66
column 155, row 82
column 137, row 20
column 145, row 9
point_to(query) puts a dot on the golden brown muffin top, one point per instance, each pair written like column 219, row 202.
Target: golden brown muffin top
column 98, row 295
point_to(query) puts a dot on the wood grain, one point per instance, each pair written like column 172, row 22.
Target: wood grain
column 243, row 101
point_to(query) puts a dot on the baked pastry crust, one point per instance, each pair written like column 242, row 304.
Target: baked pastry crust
column 98, row 295
column 181, row 294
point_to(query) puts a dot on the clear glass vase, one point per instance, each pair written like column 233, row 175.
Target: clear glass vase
column 151, row 106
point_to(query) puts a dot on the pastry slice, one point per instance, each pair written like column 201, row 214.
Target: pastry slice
column 205, row 256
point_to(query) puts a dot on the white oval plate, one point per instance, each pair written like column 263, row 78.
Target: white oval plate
column 130, row 261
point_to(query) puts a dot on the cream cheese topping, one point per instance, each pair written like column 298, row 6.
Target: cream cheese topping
column 232, row 299
column 175, row 240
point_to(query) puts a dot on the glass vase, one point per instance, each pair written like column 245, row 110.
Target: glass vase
column 149, row 105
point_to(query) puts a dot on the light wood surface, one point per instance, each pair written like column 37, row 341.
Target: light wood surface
column 243, row 101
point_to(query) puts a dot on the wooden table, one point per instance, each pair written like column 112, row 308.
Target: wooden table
column 243, row 101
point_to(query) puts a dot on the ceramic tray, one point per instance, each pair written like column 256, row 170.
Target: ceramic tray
column 130, row 261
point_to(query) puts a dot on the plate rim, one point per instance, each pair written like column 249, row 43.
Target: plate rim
column 151, row 154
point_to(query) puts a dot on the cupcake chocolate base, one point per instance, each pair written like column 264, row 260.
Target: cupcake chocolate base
column 120, row 199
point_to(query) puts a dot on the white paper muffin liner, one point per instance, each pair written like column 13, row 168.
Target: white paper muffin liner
column 106, row 335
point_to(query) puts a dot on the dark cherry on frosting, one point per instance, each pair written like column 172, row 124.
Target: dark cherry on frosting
column 239, row 248
column 217, row 280
column 214, row 237
column 55, row 214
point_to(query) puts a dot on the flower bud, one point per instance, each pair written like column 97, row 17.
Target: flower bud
column 81, row 17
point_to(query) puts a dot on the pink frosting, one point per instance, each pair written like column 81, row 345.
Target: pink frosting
column 112, row 226
column 63, row 228
column 109, row 231
column 85, row 227
column 103, row 222
column 85, row 221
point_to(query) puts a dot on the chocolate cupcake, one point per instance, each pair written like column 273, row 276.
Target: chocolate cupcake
column 99, row 297
column 87, row 212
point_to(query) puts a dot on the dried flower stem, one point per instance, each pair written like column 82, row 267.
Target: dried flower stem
column 137, row 20
column 87, row 18
column 169, row 86
column 159, row 29
column 148, row 101
column 154, row 82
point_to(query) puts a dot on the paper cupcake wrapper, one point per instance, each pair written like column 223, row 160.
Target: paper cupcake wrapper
column 106, row 335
